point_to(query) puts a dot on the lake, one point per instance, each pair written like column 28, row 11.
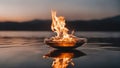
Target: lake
column 25, row 49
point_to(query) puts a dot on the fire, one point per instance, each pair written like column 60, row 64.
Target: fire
column 63, row 61
column 63, row 38
column 59, row 27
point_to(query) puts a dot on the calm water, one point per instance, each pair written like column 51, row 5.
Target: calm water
column 25, row 49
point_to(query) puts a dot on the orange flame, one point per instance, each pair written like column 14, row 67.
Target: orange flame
column 58, row 26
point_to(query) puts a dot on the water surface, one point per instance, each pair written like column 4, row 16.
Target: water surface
column 23, row 49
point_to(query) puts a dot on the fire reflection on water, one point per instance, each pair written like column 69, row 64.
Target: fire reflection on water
column 63, row 58
column 63, row 62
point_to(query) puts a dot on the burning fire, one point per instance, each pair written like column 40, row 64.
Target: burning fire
column 63, row 38
column 58, row 26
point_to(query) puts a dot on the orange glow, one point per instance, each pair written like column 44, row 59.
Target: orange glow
column 58, row 26
column 62, row 60
column 15, row 19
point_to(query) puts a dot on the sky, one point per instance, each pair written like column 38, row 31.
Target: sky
column 24, row 10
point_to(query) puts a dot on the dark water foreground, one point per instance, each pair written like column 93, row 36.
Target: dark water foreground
column 31, row 52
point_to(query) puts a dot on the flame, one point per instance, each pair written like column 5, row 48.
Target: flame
column 59, row 27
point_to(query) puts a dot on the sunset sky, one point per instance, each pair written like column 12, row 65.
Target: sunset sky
column 23, row 10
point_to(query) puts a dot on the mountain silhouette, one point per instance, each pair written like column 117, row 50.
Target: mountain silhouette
column 107, row 24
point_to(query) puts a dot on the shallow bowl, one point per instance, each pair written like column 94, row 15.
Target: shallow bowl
column 64, row 44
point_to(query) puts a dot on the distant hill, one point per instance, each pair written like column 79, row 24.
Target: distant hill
column 107, row 24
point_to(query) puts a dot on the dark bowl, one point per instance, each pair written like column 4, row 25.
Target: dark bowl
column 65, row 45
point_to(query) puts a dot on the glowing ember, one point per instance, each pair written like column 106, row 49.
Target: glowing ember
column 63, row 37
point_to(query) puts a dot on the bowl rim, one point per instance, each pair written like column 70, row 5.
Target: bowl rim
column 53, row 44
